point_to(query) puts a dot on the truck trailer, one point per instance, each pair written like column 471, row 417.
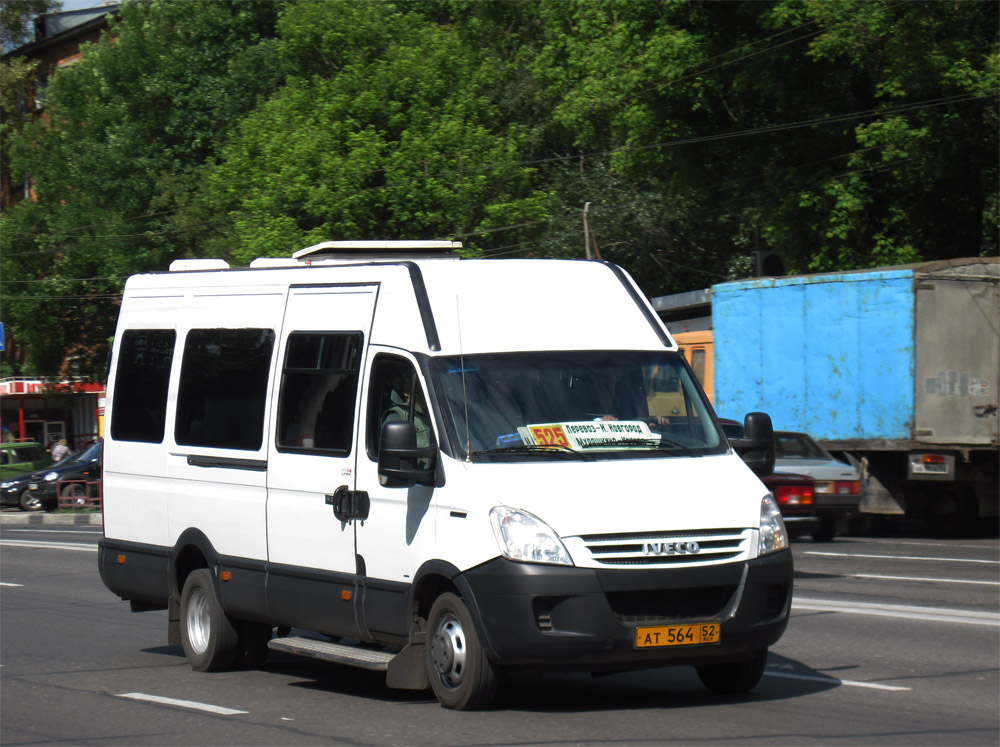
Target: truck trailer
column 897, row 368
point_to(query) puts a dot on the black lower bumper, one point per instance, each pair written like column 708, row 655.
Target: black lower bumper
column 552, row 617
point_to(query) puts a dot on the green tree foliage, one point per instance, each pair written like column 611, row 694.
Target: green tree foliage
column 383, row 129
column 837, row 133
column 922, row 180
column 124, row 136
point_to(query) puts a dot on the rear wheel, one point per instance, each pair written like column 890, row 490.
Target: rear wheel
column 209, row 636
column 735, row 677
column 461, row 676
column 74, row 491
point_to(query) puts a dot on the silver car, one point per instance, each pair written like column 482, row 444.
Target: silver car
column 838, row 484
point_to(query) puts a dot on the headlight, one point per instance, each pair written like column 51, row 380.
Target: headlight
column 5, row 485
column 527, row 538
column 773, row 536
column 50, row 476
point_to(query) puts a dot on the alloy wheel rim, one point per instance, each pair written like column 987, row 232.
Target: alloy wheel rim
column 199, row 625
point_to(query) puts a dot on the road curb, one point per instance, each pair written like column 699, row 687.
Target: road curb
column 35, row 519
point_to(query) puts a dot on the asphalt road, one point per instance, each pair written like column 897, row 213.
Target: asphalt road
column 892, row 641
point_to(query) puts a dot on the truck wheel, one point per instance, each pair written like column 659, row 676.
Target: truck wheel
column 209, row 637
column 461, row 676
column 827, row 530
column 953, row 514
column 28, row 501
column 736, row 677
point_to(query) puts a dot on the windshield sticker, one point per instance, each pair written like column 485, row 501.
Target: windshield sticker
column 584, row 435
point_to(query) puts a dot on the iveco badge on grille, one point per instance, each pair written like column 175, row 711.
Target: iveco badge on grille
column 670, row 548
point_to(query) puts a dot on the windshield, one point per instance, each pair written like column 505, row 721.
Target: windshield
column 589, row 404
column 86, row 454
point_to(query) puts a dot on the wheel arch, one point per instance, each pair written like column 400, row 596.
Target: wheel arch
column 193, row 550
column 434, row 578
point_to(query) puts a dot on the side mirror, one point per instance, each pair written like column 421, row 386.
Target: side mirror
column 401, row 463
column 756, row 448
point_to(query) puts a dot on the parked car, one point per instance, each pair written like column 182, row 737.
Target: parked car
column 796, row 498
column 14, row 492
column 18, row 458
column 838, row 484
column 69, row 477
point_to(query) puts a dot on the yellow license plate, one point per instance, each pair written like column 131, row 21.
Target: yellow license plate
column 677, row 635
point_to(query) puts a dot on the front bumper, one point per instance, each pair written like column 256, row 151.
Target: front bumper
column 554, row 617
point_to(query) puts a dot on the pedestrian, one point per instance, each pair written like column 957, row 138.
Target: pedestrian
column 60, row 450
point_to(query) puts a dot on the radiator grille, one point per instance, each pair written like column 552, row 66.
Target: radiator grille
column 664, row 549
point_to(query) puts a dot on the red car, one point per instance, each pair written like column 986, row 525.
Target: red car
column 796, row 497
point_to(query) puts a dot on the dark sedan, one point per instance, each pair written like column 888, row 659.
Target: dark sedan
column 78, row 475
column 796, row 498
column 14, row 492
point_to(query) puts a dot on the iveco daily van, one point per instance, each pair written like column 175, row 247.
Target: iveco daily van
column 383, row 455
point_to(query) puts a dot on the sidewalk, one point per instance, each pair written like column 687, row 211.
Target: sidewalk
column 33, row 518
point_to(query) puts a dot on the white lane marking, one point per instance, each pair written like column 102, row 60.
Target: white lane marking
column 924, row 543
column 181, row 703
column 835, row 681
column 924, row 578
column 932, row 614
column 7, row 583
column 901, row 557
column 79, row 547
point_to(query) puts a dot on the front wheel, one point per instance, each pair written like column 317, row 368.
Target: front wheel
column 461, row 676
column 29, row 501
column 735, row 677
column 209, row 637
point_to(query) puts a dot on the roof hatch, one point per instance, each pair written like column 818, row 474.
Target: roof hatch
column 334, row 248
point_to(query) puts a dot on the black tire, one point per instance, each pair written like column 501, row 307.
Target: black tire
column 209, row 636
column 74, row 490
column 735, row 677
column 827, row 530
column 461, row 676
column 29, row 501
column 954, row 514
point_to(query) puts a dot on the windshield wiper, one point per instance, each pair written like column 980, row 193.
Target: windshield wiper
column 526, row 449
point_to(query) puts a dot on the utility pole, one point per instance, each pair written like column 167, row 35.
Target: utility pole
column 587, row 237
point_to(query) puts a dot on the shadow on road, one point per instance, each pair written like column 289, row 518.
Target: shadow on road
column 668, row 687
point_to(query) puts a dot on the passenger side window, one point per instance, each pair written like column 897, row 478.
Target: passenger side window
column 319, row 385
column 223, row 389
column 139, row 410
column 395, row 394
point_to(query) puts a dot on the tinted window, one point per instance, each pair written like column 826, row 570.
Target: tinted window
column 223, row 389
column 140, row 395
column 319, row 385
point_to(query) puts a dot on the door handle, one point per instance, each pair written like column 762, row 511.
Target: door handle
column 349, row 504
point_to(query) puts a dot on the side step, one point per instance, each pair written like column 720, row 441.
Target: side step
column 338, row 653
